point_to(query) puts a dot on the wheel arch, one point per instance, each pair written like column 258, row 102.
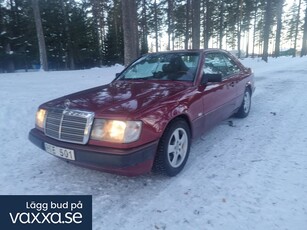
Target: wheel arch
column 159, row 164
column 184, row 117
column 249, row 87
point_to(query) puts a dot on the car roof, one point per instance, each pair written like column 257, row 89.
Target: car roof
column 190, row 51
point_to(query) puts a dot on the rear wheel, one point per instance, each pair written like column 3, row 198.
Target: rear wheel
column 246, row 105
column 173, row 149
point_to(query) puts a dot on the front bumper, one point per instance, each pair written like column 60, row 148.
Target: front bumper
column 128, row 162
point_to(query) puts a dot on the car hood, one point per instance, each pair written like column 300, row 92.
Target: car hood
column 120, row 98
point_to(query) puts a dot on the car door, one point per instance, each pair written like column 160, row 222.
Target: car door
column 235, row 74
column 218, row 97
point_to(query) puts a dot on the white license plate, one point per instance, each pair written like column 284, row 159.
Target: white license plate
column 60, row 152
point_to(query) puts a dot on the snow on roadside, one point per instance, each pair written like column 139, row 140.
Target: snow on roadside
column 248, row 175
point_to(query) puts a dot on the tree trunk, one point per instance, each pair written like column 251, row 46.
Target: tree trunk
column 131, row 42
column 40, row 36
column 240, row 8
column 267, row 30
column 207, row 23
column 9, row 62
column 69, row 57
column 221, row 22
column 156, row 25
column 254, row 33
column 247, row 45
column 304, row 45
column 144, row 40
column 195, row 24
column 296, row 27
column 99, row 21
column 187, row 29
column 279, row 27
column 170, row 22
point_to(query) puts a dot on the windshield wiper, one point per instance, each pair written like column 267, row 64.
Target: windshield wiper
column 137, row 78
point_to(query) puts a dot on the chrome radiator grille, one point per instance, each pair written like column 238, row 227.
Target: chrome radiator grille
column 69, row 125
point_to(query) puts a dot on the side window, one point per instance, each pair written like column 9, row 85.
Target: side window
column 233, row 68
column 215, row 64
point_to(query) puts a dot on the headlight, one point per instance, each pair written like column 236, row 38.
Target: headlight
column 116, row 131
column 40, row 118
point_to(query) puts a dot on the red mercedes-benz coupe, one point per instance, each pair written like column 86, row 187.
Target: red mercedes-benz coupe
column 147, row 116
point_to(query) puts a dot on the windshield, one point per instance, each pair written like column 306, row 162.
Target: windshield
column 163, row 66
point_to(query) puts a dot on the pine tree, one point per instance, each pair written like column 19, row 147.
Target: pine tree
column 208, row 22
column 222, row 20
column 86, row 49
column 267, row 29
column 144, row 26
column 98, row 23
column 304, row 40
column 179, row 25
column 40, row 35
column 170, row 23
column 114, row 41
column 17, row 35
column 195, row 24
column 130, row 27
column 279, row 9
column 155, row 22
column 293, row 25
column 297, row 23
column 66, row 8
column 187, row 25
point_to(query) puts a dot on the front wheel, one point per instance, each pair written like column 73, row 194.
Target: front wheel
column 173, row 149
column 245, row 106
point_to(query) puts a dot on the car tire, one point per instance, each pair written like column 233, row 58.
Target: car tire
column 246, row 105
column 173, row 149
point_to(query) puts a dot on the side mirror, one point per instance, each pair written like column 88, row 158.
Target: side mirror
column 116, row 77
column 248, row 70
column 211, row 77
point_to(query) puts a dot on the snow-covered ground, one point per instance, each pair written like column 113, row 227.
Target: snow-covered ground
column 246, row 174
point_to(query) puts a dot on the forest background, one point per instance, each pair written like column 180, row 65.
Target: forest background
column 79, row 34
